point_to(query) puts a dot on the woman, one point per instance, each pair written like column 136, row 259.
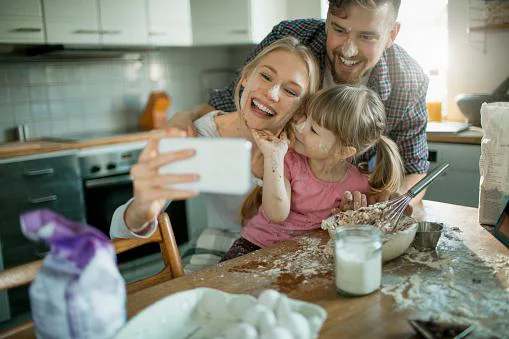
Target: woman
column 274, row 84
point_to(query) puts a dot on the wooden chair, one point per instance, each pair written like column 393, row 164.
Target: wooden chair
column 173, row 268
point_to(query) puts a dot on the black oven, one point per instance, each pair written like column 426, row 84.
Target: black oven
column 107, row 185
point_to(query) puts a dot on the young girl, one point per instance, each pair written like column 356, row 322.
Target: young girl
column 302, row 186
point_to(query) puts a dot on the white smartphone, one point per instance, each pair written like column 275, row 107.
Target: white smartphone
column 223, row 164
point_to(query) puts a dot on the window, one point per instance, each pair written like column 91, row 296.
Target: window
column 424, row 36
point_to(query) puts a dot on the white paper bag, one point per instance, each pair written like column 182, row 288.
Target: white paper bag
column 494, row 161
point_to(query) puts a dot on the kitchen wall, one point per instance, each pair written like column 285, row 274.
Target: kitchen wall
column 472, row 70
column 58, row 98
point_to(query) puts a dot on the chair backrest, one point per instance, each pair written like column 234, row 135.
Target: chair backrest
column 173, row 268
column 164, row 235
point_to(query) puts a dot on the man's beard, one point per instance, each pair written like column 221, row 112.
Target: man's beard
column 342, row 77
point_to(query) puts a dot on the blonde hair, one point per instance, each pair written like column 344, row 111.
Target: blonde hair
column 290, row 44
column 356, row 116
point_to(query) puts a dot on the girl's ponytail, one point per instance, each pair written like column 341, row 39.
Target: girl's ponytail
column 388, row 174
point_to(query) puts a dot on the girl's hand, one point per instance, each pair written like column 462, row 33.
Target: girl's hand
column 150, row 187
column 351, row 202
column 270, row 145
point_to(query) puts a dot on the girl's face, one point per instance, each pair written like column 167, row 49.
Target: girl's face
column 314, row 141
column 273, row 91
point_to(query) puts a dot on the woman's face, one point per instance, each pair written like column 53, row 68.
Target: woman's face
column 314, row 141
column 273, row 91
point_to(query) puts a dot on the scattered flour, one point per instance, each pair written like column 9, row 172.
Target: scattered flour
column 293, row 268
column 452, row 285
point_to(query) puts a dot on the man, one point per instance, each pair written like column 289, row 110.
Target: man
column 356, row 45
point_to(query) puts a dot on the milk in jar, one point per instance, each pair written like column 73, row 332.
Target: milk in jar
column 358, row 259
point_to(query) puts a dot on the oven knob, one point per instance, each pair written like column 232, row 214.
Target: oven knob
column 111, row 166
column 95, row 169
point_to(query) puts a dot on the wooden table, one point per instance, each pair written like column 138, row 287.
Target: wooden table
column 372, row 316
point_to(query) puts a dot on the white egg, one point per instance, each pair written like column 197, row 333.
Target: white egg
column 269, row 298
column 252, row 315
column 315, row 323
column 238, row 305
column 297, row 324
column 267, row 321
column 241, row 330
column 283, row 307
column 277, row 333
column 213, row 304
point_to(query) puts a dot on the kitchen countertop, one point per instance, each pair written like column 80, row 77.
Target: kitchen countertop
column 39, row 146
column 471, row 136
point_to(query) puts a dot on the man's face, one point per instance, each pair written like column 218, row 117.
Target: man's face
column 356, row 39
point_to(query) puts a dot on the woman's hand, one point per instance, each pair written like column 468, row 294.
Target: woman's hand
column 150, row 188
column 271, row 146
column 351, row 201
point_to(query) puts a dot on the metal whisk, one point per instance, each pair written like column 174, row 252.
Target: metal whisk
column 395, row 207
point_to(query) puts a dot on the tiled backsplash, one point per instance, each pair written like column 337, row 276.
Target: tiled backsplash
column 58, row 98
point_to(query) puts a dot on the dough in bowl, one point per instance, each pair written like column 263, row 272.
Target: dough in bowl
column 394, row 243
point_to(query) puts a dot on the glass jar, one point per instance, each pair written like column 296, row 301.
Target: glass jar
column 358, row 259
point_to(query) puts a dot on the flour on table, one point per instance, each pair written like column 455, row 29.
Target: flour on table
column 452, row 285
column 292, row 268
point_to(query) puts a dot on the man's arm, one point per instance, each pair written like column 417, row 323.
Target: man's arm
column 184, row 120
column 410, row 136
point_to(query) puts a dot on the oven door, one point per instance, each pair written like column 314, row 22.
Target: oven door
column 103, row 196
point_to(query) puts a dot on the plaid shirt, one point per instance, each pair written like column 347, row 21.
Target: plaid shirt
column 397, row 78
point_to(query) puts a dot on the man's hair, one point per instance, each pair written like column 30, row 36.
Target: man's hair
column 369, row 4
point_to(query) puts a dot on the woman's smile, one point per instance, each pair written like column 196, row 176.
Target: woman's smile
column 261, row 110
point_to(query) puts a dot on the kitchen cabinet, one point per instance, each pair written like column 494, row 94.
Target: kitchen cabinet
column 21, row 21
column 48, row 181
column 123, row 22
column 169, row 22
column 107, row 22
column 460, row 183
column 72, row 21
column 234, row 21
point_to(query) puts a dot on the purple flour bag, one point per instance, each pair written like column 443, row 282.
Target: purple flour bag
column 79, row 292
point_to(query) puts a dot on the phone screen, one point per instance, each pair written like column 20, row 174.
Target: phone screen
column 502, row 226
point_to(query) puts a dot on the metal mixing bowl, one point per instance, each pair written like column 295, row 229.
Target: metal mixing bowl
column 428, row 234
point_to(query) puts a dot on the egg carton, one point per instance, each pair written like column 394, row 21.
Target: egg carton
column 209, row 313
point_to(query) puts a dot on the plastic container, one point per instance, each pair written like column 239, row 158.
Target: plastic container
column 154, row 114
